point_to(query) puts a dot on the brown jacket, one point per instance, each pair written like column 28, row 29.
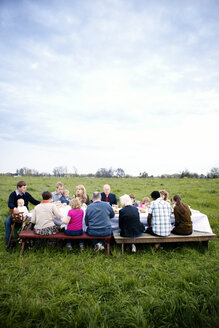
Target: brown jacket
column 183, row 222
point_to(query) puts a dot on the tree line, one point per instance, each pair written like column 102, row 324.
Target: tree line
column 61, row 171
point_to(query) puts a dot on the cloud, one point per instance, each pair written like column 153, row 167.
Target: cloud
column 103, row 77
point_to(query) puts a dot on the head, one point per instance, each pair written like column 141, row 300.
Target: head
column 125, row 200
column 146, row 201
column 132, row 196
column 21, row 187
column 106, row 189
column 96, row 196
column 47, row 195
column 66, row 193
column 177, row 201
column 81, row 193
column 59, row 188
column 75, row 203
column 164, row 194
column 20, row 202
column 155, row 195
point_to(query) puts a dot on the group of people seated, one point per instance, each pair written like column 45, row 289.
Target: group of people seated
column 97, row 213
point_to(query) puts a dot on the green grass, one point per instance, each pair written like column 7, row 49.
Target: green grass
column 52, row 287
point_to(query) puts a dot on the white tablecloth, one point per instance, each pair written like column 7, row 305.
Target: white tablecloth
column 199, row 220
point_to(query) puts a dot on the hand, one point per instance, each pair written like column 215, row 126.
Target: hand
column 15, row 210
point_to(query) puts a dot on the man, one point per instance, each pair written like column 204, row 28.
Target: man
column 58, row 194
column 159, row 223
column 97, row 219
column 106, row 195
column 20, row 192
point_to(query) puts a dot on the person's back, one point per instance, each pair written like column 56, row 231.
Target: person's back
column 44, row 215
column 97, row 219
column 98, row 215
column 182, row 213
column 160, row 221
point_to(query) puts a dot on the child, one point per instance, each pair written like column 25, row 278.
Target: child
column 145, row 203
column 21, row 207
column 44, row 215
column 65, row 197
column 74, row 221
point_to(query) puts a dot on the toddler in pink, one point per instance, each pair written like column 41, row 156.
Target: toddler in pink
column 74, row 221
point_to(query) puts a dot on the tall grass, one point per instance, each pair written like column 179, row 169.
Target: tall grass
column 52, row 287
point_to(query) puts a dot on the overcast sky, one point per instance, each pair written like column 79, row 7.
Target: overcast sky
column 109, row 83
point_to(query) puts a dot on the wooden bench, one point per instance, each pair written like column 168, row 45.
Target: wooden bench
column 26, row 235
column 146, row 238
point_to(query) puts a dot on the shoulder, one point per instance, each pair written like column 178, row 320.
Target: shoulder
column 12, row 194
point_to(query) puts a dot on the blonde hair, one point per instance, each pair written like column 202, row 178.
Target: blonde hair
column 125, row 200
column 75, row 203
column 66, row 190
column 59, row 184
column 146, row 199
column 82, row 197
column 164, row 193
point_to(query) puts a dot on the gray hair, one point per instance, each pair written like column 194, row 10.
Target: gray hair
column 96, row 195
column 125, row 200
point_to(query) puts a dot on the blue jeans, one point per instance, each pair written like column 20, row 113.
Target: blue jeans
column 100, row 232
column 74, row 233
column 8, row 223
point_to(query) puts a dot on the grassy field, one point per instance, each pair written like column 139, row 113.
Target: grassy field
column 52, row 287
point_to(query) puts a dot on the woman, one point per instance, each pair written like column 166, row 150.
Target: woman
column 82, row 195
column 182, row 213
column 164, row 195
column 129, row 220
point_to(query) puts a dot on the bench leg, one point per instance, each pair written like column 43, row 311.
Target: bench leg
column 205, row 243
column 23, row 246
column 122, row 248
column 108, row 247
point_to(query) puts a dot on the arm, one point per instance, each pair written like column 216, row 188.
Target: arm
column 66, row 221
column 57, row 212
column 112, row 213
column 33, row 200
column 149, row 219
column 11, row 201
column 86, row 216
column 33, row 219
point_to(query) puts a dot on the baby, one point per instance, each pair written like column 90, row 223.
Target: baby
column 65, row 197
column 21, row 207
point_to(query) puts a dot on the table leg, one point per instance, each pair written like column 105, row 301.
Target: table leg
column 122, row 248
column 12, row 231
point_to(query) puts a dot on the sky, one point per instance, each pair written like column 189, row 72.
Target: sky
column 128, row 84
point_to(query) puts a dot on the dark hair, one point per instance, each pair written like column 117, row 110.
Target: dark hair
column 177, row 199
column 132, row 196
column 46, row 195
column 21, row 184
column 155, row 194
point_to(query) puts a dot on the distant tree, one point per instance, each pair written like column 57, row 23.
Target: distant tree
column 214, row 173
column 104, row 173
column 120, row 173
column 60, row 171
column 143, row 175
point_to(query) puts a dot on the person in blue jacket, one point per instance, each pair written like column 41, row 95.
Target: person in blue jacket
column 107, row 196
column 20, row 192
column 97, row 220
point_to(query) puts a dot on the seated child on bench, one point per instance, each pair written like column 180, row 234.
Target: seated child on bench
column 74, row 221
